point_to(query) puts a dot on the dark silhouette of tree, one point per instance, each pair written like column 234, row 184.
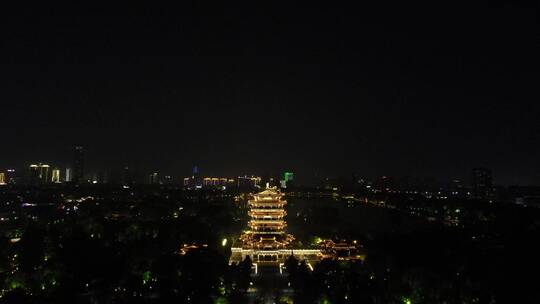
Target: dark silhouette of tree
column 32, row 248
column 4, row 254
column 201, row 273
column 291, row 264
column 18, row 296
column 244, row 273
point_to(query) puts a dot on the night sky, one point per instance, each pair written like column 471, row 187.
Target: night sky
column 321, row 91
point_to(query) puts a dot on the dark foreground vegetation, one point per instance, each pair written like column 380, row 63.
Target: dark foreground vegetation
column 123, row 246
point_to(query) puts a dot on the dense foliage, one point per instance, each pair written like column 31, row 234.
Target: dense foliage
column 124, row 248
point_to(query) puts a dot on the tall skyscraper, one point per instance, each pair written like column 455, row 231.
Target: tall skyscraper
column 10, row 177
column 39, row 173
column 196, row 179
column 2, row 178
column 153, row 178
column 55, row 175
column 78, row 164
column 68, row 176
column 482, row 183
column 127, row 177
column 288, row 176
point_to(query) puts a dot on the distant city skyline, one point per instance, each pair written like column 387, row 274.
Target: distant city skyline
column 323, row 92
column 143, row 170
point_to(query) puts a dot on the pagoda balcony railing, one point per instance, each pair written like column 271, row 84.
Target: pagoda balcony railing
column 266, row 202
column 267, row 210
column 261, row 214
column 265, row 219
column 266, row 231
column 267, row 197
column 259, row 227
column 267, row 206
column 267, row 222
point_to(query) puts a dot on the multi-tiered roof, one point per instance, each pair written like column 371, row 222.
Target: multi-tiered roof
column 267, row 221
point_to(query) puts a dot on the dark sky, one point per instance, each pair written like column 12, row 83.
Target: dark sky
column 408, row 91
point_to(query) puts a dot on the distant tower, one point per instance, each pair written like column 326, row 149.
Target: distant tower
column 196, row 177
column 39, row 174
column 126, row 176
column 10, row 176
column 168, row 180
column 153, row 178
column 55, row 175
column 68, row 176
column 482, row 183
column 288, row 179
column 78, row 165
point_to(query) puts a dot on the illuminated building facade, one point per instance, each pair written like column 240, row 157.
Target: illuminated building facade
column 195, row 181
column 267, row 221
column 288, row 177
column 215, row 182
column 207, row 182
column 153, row 178
column 39, row 173
column 248, row 182
column 2, row 178
column 55, row 175
column 342, row 250
column 266, row 241
column 68, row 176
column 10, row 177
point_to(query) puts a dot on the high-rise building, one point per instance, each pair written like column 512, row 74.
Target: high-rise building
column 482, row 183
column 2, row 178
column 215, row 182
column 78, row 164
column 39, row 173
column 288, row 178
column 68, row 177
column 153, row 178
column 127, row 176
column 10, row 177
column 55, row 175
column 247, row 182
column 208, row 182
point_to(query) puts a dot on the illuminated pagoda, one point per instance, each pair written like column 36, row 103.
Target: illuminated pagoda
column 267, row 222
column 266, row 241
